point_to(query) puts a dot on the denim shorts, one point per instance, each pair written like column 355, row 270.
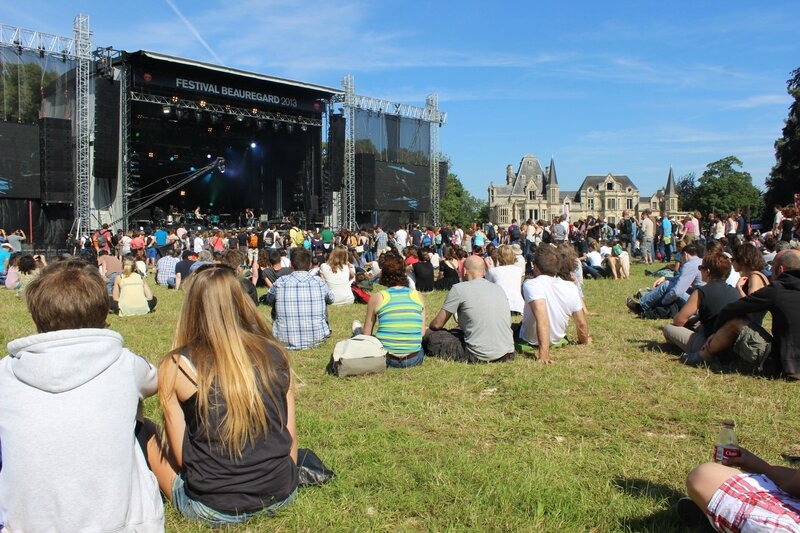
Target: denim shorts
column 199, row 512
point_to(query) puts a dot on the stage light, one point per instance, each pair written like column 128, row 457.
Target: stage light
column 174, row 99
column 239, row 118
column 255, row 110
column 150, row 154
column 202, row 103
column 304, row 127
column 137, row 134
column 41, row 52
column 290, row 128
column 276, row 126
column 208, row 156
column 210, row 130
column 175, row 156
column 192, row 169
column 198, row 115
column 261, row 124
column 214, row 118
column 166, row 109
column 252, row 145
column 172, row 158
column 179, row 113
column 183, row 193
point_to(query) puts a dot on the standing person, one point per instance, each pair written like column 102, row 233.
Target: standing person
column 299, row 300
column 161, row 236
column 381, row 242
column 101, row 239
column 327, row 240
column 150, row 250
column 68, row 415
column 648, row 236
column 226, row 393
column 731, row 227
column 667, row 238
column 401, row 239
column 396, row 316
column 16, row 240
column 251, row 238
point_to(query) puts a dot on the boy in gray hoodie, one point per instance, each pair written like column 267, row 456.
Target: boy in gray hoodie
column 68, row 405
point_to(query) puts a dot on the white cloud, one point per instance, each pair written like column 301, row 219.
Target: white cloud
column 762, row 100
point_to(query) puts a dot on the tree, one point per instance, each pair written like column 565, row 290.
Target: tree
column 723, row 188
column 784, row 180
column 687, row 191
column 458, row 206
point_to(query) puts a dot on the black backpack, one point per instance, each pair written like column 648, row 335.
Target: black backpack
column 269, row 238
column 515, row 234
column 490, row 233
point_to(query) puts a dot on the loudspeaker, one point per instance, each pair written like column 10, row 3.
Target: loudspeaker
column 365, row 182
column 443, row 170
column 57, row 171
column 106, row 129
column 336, row 151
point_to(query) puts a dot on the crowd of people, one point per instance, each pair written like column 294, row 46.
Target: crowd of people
column 227, row 446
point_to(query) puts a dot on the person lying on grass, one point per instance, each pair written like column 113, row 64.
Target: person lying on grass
column 225, row 391
column 68, row 415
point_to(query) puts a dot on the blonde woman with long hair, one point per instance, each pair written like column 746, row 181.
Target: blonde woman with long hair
column 339, row 274
column 131, row 295
column 225, row 391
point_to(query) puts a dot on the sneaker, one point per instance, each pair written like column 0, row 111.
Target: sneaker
column 357, row 327
column 692, row 358
column 633, row 306
column 648, row 272
column 692, row 516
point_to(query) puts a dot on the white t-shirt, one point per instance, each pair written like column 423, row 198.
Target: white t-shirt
column 339, row 282
column 198, row 244
column 562, row 299
column 401, row 237
column 285, row 262
column 594, row 258
column 605, row 251
column 509, row 278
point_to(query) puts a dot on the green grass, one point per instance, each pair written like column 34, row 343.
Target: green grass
column 600, row 441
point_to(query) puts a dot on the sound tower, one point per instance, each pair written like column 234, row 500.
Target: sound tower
column 58, row 175
column 336, row 151
column 365, row 182
column 106, row 131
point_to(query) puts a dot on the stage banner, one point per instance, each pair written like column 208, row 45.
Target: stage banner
column 220, row 88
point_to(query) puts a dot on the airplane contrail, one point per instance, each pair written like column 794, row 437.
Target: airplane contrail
column 192, row 29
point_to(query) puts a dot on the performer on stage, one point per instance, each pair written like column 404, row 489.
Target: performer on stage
column 250, row 217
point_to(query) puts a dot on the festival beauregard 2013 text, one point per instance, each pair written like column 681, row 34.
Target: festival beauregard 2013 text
column 223, row 90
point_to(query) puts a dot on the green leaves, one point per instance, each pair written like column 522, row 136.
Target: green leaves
column 784, row 179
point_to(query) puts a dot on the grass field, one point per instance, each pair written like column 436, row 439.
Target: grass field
column 600, row 441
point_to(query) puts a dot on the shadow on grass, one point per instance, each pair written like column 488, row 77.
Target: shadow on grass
column 664, row 520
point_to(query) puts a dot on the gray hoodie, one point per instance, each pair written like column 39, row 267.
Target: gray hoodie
column 68, row 402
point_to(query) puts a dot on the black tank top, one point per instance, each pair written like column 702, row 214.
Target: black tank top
column 265, row 473
column 714, row 296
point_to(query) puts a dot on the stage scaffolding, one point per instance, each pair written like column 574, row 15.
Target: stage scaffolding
column 79, row 48
column 350, row 103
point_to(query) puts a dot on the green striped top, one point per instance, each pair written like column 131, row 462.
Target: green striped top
column 400, row 321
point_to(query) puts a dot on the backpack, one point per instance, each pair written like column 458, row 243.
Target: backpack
column 357, row 356
column 100, row 238
column 627, row 227
column 546, row 237
column 438, row 239
column 426, row 239
column 299, row 237
column 269, row 238
column 515, row 233
column 361, row 296
column 254, row 240
column 490, row 233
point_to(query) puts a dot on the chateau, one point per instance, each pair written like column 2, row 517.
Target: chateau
column 534, row 193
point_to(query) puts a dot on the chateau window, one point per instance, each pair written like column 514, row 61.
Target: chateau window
column 612, row 220
column 630, row 203
column 590, row 203
column 611, row 204
column 532, row 195
column 503, row 216
column 609, row 186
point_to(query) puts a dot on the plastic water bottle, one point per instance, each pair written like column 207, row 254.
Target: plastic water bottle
column 727, row 446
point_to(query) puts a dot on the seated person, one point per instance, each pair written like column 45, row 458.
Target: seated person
column 110, row 267
column 184, row 268
column 674, row 290
column 228, row 405
column 30, row 266
column 272, row 269
column 339, row 274
column 235, row 259
column 749, row 263
column 592, row 263
column 131, row 294
column 484, row 320
column 759, row 497
column 549, row 303
column 396, row 316
column 300, row 315
column 68, row 422
column 696, row 320
column 619, row 262
column 423, row 272
column 165, row 267
column 508, row 276
column 747, row 339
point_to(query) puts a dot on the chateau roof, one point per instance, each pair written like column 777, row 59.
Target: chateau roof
column 671, row 189
column 552, row 179
column 529, row 168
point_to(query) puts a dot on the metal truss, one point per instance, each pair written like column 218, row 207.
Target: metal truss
column 44, row 43
column 83, row 67
column 432, row 106
column 349, row 189
column 125, row 124
column 201, row 105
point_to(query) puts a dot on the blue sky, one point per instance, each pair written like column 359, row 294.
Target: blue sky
column 623, row 87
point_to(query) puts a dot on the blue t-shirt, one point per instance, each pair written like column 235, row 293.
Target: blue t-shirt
column 161, row 237
column 666, row 226
column 5, row 255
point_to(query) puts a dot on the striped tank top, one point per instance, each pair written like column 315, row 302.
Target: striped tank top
column 400, row 321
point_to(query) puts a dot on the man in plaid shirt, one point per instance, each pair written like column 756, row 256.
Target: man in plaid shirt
column 165, row 268
column 300, row 305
